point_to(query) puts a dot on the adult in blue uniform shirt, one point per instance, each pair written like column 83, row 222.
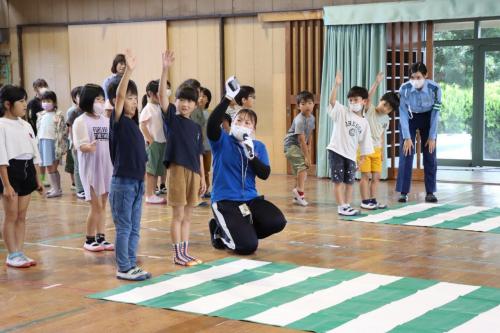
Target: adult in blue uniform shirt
column 420, row 103
column 241, row 215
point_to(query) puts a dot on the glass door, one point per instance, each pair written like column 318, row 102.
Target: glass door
column 487, row 151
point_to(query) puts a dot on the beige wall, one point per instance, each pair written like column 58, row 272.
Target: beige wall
column 255, row 53
column 196, row 44
column 93, row 47
column 46, row 55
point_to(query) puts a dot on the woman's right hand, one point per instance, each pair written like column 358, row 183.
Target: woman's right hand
column 407, row 147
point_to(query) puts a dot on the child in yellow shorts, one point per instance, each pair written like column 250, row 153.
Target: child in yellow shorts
column 371, row 168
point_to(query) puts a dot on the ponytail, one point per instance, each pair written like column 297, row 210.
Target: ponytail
column 144, row 100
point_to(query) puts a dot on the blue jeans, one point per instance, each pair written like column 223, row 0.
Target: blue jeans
column 125, row 198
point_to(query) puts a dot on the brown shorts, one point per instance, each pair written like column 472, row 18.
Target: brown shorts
column 183, row 186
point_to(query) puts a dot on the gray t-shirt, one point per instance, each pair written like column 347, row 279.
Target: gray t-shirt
column 300, row 125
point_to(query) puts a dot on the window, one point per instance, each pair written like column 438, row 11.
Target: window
column 454, row 31
column 489, row 29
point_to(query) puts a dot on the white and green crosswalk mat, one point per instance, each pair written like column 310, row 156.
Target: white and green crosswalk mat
column 447, row 216
column 317, row 299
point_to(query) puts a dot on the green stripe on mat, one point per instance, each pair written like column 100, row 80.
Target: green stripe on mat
column 421, row 215
column 253, row 306
column 350, row 309
column 466, row 220
column 161, row 278
column 453, row 314
column 214, row 286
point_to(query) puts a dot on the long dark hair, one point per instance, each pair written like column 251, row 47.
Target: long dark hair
column 152, row 87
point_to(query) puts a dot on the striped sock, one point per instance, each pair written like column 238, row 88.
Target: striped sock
column 184, row 251
column 179, row 259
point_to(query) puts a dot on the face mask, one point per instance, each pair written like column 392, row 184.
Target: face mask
column 169, row 92
column 240, row 132
column 417, row 84
column 355, row 107
column 99, row 108
column 47, row 106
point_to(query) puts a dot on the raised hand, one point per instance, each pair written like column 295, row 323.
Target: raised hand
column 338, row 78
column 130, row 59
column 232, row 87
column 167, row 58
column 380, row 77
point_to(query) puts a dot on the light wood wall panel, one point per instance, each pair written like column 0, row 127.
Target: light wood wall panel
column 197, row 53
column 255, row 53
column 93, row 47
column 46, row 55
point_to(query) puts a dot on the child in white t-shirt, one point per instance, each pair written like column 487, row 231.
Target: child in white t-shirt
column 351, row 130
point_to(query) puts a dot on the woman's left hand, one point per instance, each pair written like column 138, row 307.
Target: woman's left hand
column 39, row 186
column 431, row 144
column 203, row 186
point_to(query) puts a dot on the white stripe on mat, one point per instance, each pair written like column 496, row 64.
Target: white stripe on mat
column 300, row 308
column 484, row 322
column 249, row 290
column 189, row 280
column 447, row 216
column 485, row 225
column 389, row 214
column 396, row 313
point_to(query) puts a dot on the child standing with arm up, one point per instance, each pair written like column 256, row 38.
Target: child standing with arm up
column 351, row 131
column 184, row 159
column 129, row 165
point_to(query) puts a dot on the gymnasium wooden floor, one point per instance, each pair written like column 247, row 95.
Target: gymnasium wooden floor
column 51, row 296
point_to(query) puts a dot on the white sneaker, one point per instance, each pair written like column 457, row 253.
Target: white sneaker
column 155, row 200
column 94, row 247
column 80, row 195
column 369, row 206
column 107, row 246
column 381, row 205
column 134, row 274
column 299, row 199
column 18, row 262
column 54, row 194
column 31, row 261
column 347, row 211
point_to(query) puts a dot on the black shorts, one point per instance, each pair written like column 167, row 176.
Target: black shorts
column 342, row 169
column 22, row 177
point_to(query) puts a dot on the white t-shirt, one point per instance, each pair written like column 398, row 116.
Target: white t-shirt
column 151, row 115
column 350, row 131
column 378, row 123
column 17, row 140
column 47, row 128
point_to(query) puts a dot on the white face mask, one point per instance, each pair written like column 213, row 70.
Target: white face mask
column 169, row 92
column 417, row 84
column 99, row 108
column 240, row 132
column 47, row 106
column 355, row 107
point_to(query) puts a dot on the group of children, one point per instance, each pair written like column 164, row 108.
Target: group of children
column 356, row 143
column 114, row 152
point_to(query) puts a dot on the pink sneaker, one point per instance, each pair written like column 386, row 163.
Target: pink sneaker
column 155, row 200
column 94, row 247
column 108, row 246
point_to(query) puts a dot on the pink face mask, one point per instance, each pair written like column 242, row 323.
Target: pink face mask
column 99, row 108
column 47, row 106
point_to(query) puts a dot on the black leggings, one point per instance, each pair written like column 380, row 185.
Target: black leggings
column 242, row 233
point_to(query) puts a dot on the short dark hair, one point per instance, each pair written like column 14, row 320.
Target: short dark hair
column 245, row 92
column 76, row 91
column 392, row 99
column 206, row 92
column 357, row 91
column 119, row 58
column 187, row 92
column 10, row 93
column 191, row 82
column 50, row 95
column 304, row 96
column 113, row 86
column 40, row 83
column 418, row 67
column 250, row 113
column 89, row 93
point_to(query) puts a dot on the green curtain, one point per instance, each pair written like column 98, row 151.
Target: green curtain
column 359, row 51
